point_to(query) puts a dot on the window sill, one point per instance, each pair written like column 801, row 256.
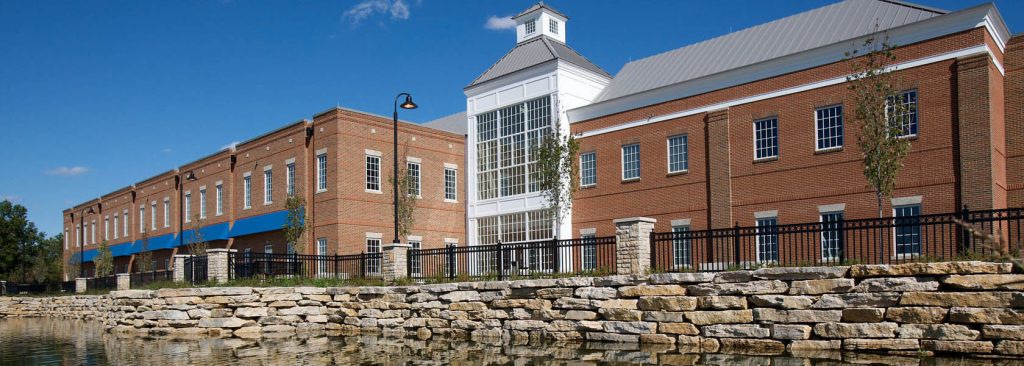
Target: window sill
column 372, row 191
column 450, row 201
column 766, row 160
column 246, row 207
column 591, row 186
column 681, row 172
column 268, row 203
column 908, row 137
column 320, row 191
column 630, row 180
column 828, row 150
column 904, row 256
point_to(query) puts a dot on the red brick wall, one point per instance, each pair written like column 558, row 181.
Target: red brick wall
column 1014, row 114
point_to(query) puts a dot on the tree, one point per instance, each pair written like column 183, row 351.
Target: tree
column 879, row 109
column 144, row 259
column 72, row 266
column 18, row 239
column 557, row 174
column 198, row 245
column 406, row 204
column 104, row 260
column 295, row 223
column 46, row 266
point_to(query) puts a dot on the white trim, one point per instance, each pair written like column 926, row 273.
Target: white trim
column 168, row 198
column 246, row 174
column 814, row 121
column 410, row 159
column 370, row 235
column 782, row 92
column 202, row 188
column 681, row 222
column 588, row 231
column 188, row 192
column 833, row 208
column 668, row 153
column 766, row 214
column 451, row 240
column 289, row 161
column 268, row 167
column 373, row 153
column 451, row 166
column 904, row 201
column 218, row 183
column 321, row 151
column 414, row 238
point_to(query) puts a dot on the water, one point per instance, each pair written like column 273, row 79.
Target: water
column 72, row 342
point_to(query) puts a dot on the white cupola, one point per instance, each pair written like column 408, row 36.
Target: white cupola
column 540, row 19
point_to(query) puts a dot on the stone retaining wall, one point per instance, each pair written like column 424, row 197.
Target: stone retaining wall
column 958, row 307
column 71, row 307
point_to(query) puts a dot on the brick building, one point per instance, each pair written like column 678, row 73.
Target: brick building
column 339, row 163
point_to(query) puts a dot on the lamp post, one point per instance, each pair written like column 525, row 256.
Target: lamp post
column 81, row 241
column 407, row 104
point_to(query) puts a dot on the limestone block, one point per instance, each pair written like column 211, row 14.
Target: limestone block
column 822, row 286
column 735, row 331
column 855, row 330
column 917, row 315
column 720, row 317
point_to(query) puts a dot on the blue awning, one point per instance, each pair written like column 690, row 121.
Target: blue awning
column 88, row 255
column 165, row 241
column 116, row 250
column 259, row 224
column 209, row 233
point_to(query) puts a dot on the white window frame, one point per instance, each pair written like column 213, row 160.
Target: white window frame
column 682, row 248
column 117, row 227
column 775, row 139
column 823, row 240
column 152, row 215
column 268, row 185
column 373, row 245
column 685, row 154
column 451, row 185
column 202, row 202
column 289, row 169
column 418, row 177
column 247, row 190
column 321, row 171
column 584, row 169
column 763, row 256
column 916, row 122
column 902, row 203
column 372, row 181
column 622, row 156
column 553, row 26
column 842, row 128
column 531, row 26
column 321, row 250
column 415, row 262
column 78, row 231
column 106, row 227
column 124, row 230
column 92, row 232
column 142, row 218
column 188, row 209
column 219, row 188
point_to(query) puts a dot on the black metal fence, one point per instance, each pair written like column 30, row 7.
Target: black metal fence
column 593, row 255
column 101, row 283
column 264, row 265
column 140, row 279
column 195, row 269
column 834, row 241
column 14, row 289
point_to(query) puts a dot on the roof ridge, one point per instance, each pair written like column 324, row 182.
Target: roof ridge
column 547, row 44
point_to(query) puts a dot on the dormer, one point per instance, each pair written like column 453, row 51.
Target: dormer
column 539, row 20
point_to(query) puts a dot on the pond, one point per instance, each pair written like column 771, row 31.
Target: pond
column 40, row 341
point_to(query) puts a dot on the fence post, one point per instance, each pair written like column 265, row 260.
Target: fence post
column 395, row 261
column 736, row 243
column 633, row 244
column 336, row 265
column 179, row 268
column 81, row 285
column 408, row 263
column 965, row 233
column 217, row 264
column 450, row 249
column 362, row 264
column 501, row 262
column 556, row 266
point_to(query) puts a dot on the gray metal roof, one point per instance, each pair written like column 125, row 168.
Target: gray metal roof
column 456, row 123
column 540, row 5
column 804, row 31
column 533, row 52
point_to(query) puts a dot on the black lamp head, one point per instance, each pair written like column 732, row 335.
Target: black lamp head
column 190, row 177
column 408, row 104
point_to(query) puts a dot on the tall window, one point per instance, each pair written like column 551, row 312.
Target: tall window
column 124, row 229
column 450, row 182
column 766, row 138
column 152, row 215
column 220, row 199
column 906, row 121
column 373, row 173
column 78, row 242
column 188, row 210
column 290, row 178
column 413, row 169
column 106, row 228
column 677, row 154
column 767, row 240
column 373, row 262
column 908, row 229
column 247, row 191
column 321, row 172
column 202, row 203
column 553, row 26
column 268, row 186
column 116, row 227
column 414, row 260
column 92, row 232
column 831, row 236
column 531, row 26
column 67, row 234
column 142, row 218
column 268, row 249
column 589, row 242
column 321, row 250
column 588, row 169
column 681, row 246
column 505, row 140
column 631, row 161
column 829, row 123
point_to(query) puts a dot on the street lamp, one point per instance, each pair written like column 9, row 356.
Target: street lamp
column 407, row 104
column 81, row 241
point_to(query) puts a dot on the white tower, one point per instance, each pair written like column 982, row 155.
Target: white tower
column 519, row 98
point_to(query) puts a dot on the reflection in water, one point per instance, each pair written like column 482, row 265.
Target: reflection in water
column 70, row 342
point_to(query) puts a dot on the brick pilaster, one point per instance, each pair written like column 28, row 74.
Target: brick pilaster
column 1014, row 92
column 719, row 170
column 981, row 133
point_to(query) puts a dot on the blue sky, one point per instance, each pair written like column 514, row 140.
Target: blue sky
column 96, row 95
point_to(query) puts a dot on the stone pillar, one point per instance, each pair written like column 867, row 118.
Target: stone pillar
column 3, row 288
column 217, row 264
column 981, row 134
column 124, row 281
column 80, row 285
column 633, row 244
column 394, row 261
column 719, row 169
column 179, row 267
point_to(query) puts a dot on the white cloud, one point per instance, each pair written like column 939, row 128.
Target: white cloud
column 67, row 171
column 230, row 146
column 500, row 23
column 396, row 9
